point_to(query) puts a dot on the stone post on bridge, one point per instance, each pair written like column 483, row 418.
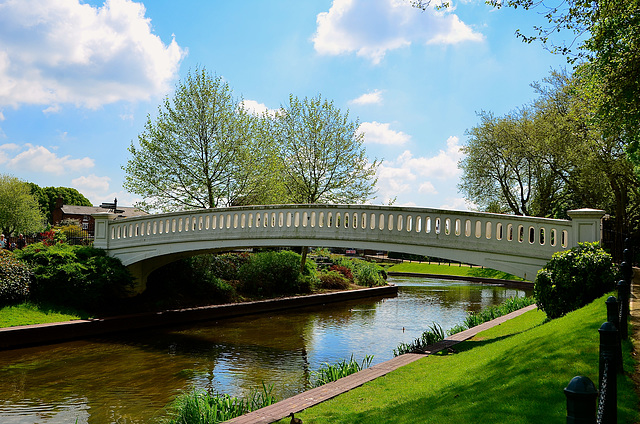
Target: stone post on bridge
column 101, row 229
column 587, row 225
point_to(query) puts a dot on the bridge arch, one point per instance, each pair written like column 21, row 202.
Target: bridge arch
column 515, row 244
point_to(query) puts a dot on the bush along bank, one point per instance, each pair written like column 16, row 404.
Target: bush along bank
column 86, row 279
column 78, row 277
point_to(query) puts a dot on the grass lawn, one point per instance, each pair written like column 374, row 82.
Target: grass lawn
column 29, row 313
column 454, row 269
column 513, row 373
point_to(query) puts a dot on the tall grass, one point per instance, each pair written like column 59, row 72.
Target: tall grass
column 203, row 407
column 435, row 333
column 493, row 312
column 432, row 335
column 329, row 373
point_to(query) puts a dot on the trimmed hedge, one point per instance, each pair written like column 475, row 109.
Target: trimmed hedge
column 77, row 276
column 574, row 278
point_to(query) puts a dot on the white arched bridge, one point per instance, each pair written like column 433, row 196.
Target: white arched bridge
column 515, row 244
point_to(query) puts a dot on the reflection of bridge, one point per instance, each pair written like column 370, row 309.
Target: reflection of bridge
column 515, row 244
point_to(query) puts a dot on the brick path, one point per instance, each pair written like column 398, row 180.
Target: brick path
column 315, row 396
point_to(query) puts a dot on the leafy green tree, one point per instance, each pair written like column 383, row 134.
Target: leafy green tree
column 48, row 196
column 322, row 154
column 201, row 151
column 550, row 157
column 501, row 167
column 19, row 210
column 606, row 50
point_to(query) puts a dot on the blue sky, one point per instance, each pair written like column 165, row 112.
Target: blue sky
column 79, row 78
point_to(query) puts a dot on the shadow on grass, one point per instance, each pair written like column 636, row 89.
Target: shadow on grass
column 48, row 308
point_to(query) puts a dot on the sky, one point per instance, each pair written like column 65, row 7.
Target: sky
column 79, row 79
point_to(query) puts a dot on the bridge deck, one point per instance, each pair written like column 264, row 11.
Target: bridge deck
column 318, row 395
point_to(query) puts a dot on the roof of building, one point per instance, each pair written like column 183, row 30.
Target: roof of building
column 127, row 212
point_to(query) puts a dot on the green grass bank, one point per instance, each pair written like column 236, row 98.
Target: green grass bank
column 513, row 373
column 30, row 313
column 453, row 269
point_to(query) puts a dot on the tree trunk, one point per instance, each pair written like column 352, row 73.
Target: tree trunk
column 305, row 250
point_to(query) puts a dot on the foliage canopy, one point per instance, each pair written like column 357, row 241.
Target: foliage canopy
column 19, row 210
column 202, row 150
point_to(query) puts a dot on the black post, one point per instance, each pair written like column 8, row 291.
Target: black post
column 623, row 302
column 608, row 407
column 581, row 396
column 613, row 317
column 612, row 311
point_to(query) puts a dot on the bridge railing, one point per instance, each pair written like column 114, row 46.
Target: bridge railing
column 401, row 224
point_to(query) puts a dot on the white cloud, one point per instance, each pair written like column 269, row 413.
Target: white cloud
column 65, row 51
column 256, row 108
column 370, row 28
column 94, row 188
column 427, row 188
column 1, row 116
column 374, row 97
column 409, row 175
column 380, row 133
column 444, row 165
column 91, row 182
column 458, row 203
column 41, row 159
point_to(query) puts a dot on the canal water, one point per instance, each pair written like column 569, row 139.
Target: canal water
column 130, row 378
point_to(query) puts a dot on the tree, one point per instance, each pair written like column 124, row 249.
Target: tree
column 322, row 154
column 203, row 150
column 19, row 211
column 501, row 168
column 606, row 51
column 47, row 198
column 549, row 157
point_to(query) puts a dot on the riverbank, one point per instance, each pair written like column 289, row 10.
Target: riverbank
column 511, row 373
column 20, row 336
column 328, row 391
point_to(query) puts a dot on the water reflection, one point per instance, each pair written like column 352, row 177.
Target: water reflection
column 131, row 377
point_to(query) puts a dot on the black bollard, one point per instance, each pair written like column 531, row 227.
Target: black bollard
column 612, row 311
column 613, row 317
column 623, row 312
column 608, row 407
column 581, row 396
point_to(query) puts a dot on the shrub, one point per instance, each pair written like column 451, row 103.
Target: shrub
column 333, row 280
column 346, row 272
column 369, row 274
column 77, row 276
column 364, row 273
column 226, row 265
column 15, row 278
column 271, row 273
column 573, row 278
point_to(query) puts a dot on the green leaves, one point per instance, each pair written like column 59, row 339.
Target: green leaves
column 202, row 150
column 15, row 279
column 573, row 278
column 19, row 210
column 322, row 153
